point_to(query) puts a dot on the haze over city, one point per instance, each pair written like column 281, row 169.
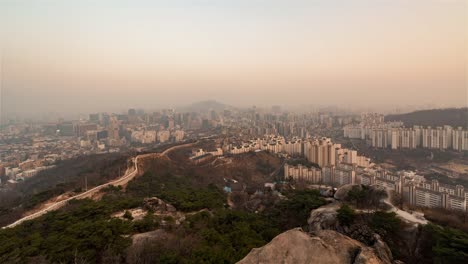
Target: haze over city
column 84, row 56
column 234, row 131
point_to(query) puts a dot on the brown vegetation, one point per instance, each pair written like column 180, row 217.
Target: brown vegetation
column 449, row 218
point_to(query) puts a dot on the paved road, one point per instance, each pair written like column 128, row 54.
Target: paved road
column 118, row 182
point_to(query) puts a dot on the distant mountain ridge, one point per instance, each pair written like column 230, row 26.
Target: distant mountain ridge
column 455, row 117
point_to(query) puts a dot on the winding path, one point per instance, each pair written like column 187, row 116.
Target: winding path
column 118, row 182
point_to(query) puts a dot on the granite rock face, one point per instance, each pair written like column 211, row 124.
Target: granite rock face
column 324, row 247
column 342, row 192
column 324, row 218
column 157, row 205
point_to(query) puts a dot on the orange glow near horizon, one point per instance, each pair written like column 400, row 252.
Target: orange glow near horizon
column 366, row 51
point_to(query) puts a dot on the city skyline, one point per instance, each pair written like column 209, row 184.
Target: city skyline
column 81, row 57
column 234, row 131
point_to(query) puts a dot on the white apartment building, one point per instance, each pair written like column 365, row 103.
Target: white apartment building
column 366, row 179
column 389, row 181
column 442, row 138
column 274, row 144
column 293, row 147
column 428, row 198
column 460, row 139
column 406, row 138
column 144, row 137
column 363, row 161
column 353, row 131
column 303, row 173
column 164, row 136
column 345, row 174
column 435, row 195
column 415, row 190
column 179, row 135
column 320, row 151
column 339, row 175
column 328, row 175
column 275, row 147
column 372, row 119
column 350, row 156
column 343, row 155
column 379, row 138
column 201, row 152
column 240, row 149
column 455, row 203
column 437, row 138
column 369, row 122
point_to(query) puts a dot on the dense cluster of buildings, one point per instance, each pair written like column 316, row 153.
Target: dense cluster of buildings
column 435, row 195
column 272, row 143
column 25, row 157
column 380, row 134
column 414, row 189
column 418, row 191
column 336, row 165
column 321, row 151
column 140, row 128
column 369, row 122
column 144, row 136
column 442, row 138
column 43, row 144
column 333, row 164
column 201, row 155
column 257, row 122
column 33, row 148
column 335, row 175
column 304, row 173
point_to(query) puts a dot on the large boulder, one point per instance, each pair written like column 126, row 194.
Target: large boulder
column 323, row 247
column 372, row 196
column 324, row 218
column 158, row 206
column 342, row 192
column 382, row 250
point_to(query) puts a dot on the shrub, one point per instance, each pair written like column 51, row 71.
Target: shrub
column 448, row 245
column 346, row 215
column 295, row 211
column 127, row 215
column 385, row 223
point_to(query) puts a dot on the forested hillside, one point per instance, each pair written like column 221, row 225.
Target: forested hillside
column 67, row 176
column 455, row 117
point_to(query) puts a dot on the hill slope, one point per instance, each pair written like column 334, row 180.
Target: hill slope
column 455, row 117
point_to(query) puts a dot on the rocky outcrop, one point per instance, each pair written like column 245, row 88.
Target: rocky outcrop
column 382, row 250
column 342, row 192
column 365, row 196
column 323, row 247
column 158, row 206
column 324, row 218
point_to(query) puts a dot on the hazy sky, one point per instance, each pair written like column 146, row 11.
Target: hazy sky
column 87, row 55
